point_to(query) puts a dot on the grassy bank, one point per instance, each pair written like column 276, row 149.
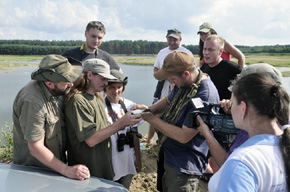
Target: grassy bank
column 276, row 59
column 11, row 61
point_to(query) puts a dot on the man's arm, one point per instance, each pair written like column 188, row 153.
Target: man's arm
column 235, row 52
column 102, row 134
column 182, row 135
column 159, row 106
column 46, row 157
column 216, row 150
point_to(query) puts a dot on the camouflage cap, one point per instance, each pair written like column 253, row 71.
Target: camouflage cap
column 57, row 68
column 175, row 33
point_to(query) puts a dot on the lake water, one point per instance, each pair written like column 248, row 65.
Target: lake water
column 140, row 88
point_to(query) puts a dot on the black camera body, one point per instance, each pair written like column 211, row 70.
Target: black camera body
column 216, row 122
column 219, row 124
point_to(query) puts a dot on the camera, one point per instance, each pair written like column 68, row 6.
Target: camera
column 219, row 124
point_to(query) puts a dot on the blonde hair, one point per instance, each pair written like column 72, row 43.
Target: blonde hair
column 220, row 40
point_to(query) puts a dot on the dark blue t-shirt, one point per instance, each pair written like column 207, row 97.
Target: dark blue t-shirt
column 191, row 157
column 79, row 54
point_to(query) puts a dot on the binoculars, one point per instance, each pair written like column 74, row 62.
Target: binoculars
column 127, row 139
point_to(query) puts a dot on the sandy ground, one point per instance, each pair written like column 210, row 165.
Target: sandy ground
column 146, row 179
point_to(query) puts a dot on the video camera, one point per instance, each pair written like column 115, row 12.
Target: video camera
column 218, row 123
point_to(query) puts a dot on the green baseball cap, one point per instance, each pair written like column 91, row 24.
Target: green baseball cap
column 120, row 78
column 205, row 28
column 175, row 33
column 56, row 68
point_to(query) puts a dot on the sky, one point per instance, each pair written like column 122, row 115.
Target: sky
column 242, row 22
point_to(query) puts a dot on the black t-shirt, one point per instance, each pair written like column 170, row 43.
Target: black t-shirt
column 81, row 55
column 222, row 75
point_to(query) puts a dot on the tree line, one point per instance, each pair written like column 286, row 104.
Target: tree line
column 128, row 47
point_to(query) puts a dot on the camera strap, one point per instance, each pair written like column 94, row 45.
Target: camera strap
column 110, row 109
column 180, row 99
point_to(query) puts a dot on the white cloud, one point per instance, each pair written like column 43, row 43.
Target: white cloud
column 36, row 19
column 247, row 22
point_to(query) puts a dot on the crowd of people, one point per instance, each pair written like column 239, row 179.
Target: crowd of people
column 71, row 117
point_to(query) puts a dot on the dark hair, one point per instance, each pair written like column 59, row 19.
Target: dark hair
column 110, row 83
column 96, row 24
column 80, row 86
column 275, row 100
column 274, row 103
column 201, row 43
column 285, row 149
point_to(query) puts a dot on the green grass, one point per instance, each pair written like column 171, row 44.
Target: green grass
column 7, row 143
column 8, row 62
column 20, row 57
column 137, row 60
column 276, row 59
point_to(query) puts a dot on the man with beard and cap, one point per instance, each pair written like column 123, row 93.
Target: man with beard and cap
column 38, row 126
column 164, row 87
column 183, row 152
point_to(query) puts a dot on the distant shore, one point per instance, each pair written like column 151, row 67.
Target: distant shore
column 8, row 62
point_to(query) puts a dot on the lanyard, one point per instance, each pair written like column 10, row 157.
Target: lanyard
column 110, row 109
